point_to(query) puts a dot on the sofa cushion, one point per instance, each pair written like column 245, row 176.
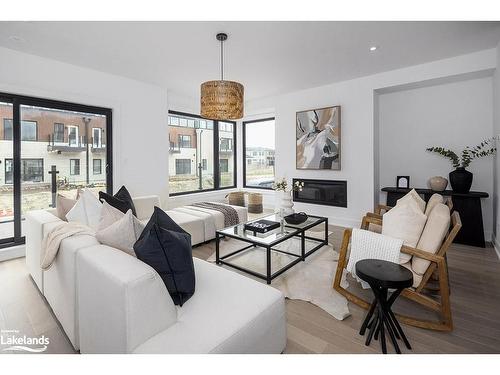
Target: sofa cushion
column 435, row 230
column 122, row 234
column 249, row 317
column 121, row 200
column 167, row 248
column 406, row 222
column 415, row 197
column 433, row 201
column 87, row 210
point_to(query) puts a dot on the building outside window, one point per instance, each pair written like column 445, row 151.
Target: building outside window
column 193, row 164
column 74, row 167
column 259, row 143
column 31, row 170
column 224, row 165
column 58, row 132
column 28, row 130
column 97, row 166
column 7, row 129
column 73, row 135
column 182, row 166
column 96, row 137
column 184, row 141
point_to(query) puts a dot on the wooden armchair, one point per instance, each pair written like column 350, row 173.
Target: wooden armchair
column 439, row 304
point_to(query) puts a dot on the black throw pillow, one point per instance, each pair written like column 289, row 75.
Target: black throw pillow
column 167, row 248
column 121, row 200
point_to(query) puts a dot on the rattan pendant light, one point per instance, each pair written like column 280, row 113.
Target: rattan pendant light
column 222, row 100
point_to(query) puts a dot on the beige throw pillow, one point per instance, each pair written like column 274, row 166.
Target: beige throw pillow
column 432, row 237
column 413, row 196
column 122, row 234
column 63, row 206
column 109, row 215
column 405, row 222
column 433, row 201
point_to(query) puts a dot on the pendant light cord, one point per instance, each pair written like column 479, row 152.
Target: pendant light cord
column 222, row 60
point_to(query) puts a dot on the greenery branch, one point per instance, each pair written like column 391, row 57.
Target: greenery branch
column 485, row 148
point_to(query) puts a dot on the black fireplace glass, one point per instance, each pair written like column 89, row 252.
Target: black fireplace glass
column 324, row 192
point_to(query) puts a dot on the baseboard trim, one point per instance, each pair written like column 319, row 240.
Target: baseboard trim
column 12, row 252
column 496, row 244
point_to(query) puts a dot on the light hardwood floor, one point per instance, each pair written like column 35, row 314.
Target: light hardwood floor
column 475, row 285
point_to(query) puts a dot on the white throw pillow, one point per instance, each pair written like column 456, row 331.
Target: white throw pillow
column 433, row 201
column 87, row 210
column 413, row 196
column 406, row 222
column 122, row 234
column 109, row 215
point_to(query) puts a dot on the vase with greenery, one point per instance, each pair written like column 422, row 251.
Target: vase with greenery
column 460, row 178
column 286, row 198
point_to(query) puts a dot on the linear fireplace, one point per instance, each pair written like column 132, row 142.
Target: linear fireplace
column 324, row 192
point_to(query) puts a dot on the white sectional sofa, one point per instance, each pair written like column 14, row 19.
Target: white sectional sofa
column 110, row 302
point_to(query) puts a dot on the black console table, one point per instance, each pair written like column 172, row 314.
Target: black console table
column 468, row 206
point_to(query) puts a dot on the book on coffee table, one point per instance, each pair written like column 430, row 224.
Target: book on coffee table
column 262, row 226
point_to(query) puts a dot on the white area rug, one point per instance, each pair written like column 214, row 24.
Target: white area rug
column 309, row 281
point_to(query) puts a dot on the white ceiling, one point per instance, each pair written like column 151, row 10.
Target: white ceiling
column 267, row 57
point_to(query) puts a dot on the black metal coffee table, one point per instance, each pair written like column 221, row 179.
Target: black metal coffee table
column 269, row 242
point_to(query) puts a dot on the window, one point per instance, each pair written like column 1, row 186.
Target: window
column 224, row 165
column 97, row 166
column 74, row 167
column 259, row 146
column 7, row 129
column 58, row 132
column 196, row 146
column 184, row 141
column 31, row 170
column 182, row 166
column 96, row 137
column 28, row 130
column 73, row 136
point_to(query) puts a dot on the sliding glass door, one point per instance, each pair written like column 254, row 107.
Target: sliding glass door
column 49, row 148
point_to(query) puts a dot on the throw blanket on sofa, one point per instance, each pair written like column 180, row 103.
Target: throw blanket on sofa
column 369, row 245
column 230, row 214
column 51, row 243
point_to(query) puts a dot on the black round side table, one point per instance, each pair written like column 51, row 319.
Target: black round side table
column 381, row 276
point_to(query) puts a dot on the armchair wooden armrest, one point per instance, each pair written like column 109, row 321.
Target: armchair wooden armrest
column 380, row 208
column 370, row 219
column 422, row 254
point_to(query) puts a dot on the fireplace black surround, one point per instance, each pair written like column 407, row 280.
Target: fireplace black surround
column 324, row 192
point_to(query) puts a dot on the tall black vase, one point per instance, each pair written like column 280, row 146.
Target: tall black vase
column 460, row 180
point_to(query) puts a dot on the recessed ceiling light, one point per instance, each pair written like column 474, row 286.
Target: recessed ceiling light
column 373, row 48
column 15, row 38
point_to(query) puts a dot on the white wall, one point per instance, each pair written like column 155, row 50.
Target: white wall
column 140, row 134
column 452, row 115
column 357, row 98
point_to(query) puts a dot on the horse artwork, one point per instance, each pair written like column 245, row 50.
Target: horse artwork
column 318, row 139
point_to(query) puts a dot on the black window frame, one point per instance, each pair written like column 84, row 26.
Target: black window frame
column 36, row 131
column 76, row 166
column 244, row 153
column 10, row 161
column 22, row 100
column 215, row 156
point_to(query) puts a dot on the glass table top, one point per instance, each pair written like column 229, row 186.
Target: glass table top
column 285, row 230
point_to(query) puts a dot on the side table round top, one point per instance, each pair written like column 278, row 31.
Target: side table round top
column 384, row 274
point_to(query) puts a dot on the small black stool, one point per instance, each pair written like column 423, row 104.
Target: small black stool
column 381, row 276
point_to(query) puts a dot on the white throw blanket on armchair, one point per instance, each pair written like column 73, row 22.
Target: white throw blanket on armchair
column 51, row 243
column 370, row 245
